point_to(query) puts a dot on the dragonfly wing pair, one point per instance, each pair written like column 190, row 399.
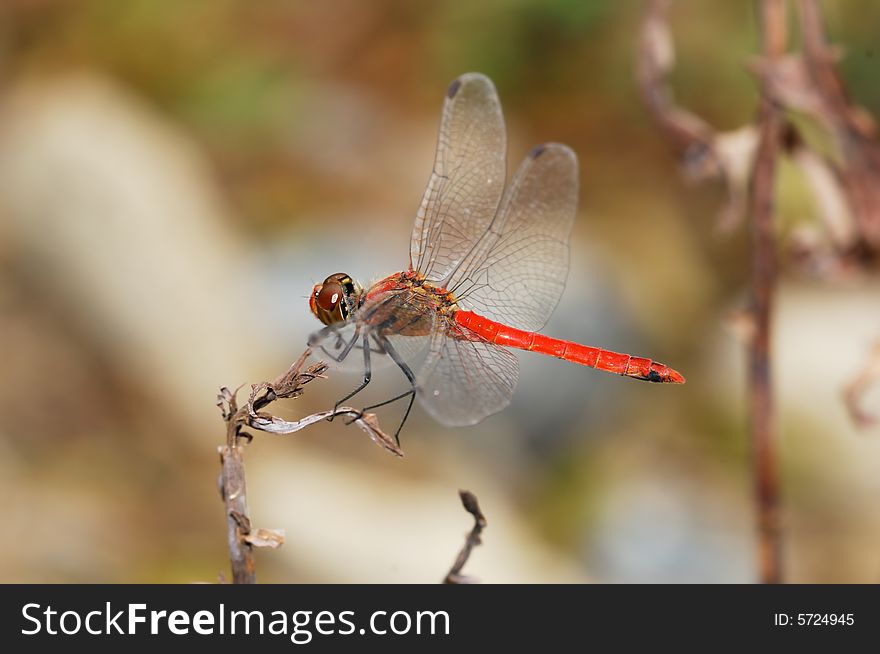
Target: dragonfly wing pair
column 502, row 252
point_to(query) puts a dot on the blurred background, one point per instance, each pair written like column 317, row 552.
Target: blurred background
column 174, row 178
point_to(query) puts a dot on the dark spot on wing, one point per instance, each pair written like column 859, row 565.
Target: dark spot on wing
column 537, row 151
column 453, row 89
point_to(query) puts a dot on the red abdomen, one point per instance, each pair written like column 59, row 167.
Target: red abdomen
column 592, row 357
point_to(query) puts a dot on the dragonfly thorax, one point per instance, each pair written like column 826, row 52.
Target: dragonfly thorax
column 336, row 298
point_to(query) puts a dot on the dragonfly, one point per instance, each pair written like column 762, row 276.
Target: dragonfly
column 487, row 266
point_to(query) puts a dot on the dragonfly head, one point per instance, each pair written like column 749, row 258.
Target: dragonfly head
column 335, row 299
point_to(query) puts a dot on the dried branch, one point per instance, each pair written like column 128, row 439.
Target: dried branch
column 368, row 422
column 809, row 83
column 704, row 152
column 241, row 537
column 472, row 506
column 689, row 134
column 855, row 135
column 290, row 385
column 233, row 491
column 763, row 273
column 746, row 160
column 845, row 183
column 853, row 128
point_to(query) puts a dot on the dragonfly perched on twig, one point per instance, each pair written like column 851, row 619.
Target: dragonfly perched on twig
column 488, row 263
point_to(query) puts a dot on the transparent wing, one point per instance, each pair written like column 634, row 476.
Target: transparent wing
column 516, row 273
column 467, row 181
column 465, row 378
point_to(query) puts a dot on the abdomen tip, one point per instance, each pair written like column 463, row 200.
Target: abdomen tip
column 675, row 377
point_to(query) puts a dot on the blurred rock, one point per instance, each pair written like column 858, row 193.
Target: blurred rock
column 115, row 216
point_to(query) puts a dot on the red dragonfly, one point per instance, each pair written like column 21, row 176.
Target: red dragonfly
column 488, row 263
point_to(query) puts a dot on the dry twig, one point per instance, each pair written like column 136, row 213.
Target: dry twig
column 853, row 129
column 241, row 537
column 845, row 183
column 763, row 264
column 746, row 161
column 704, row 152
column 472, row 506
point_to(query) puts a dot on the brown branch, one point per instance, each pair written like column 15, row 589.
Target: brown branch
column 763, row 273
column 689, row 134
column 472, row 506
column 809, row 83
column 704, row 152
column 853, row 128
column 241, row 536
column 856, row 137
column 746, row 160
column 844, row 183
column 820, row 59
column 233, row 491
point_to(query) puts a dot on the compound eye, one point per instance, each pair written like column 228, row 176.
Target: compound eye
column 329, row 296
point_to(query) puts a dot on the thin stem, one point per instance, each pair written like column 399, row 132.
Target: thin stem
column 472, row 506
column 233, row 486
column 233, row 490
column 240, row 535
column 763, row 274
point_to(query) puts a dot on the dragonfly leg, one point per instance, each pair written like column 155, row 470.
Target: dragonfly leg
column 367, row 373
column 339, row 358
column 319, row 336
column 411, row 393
